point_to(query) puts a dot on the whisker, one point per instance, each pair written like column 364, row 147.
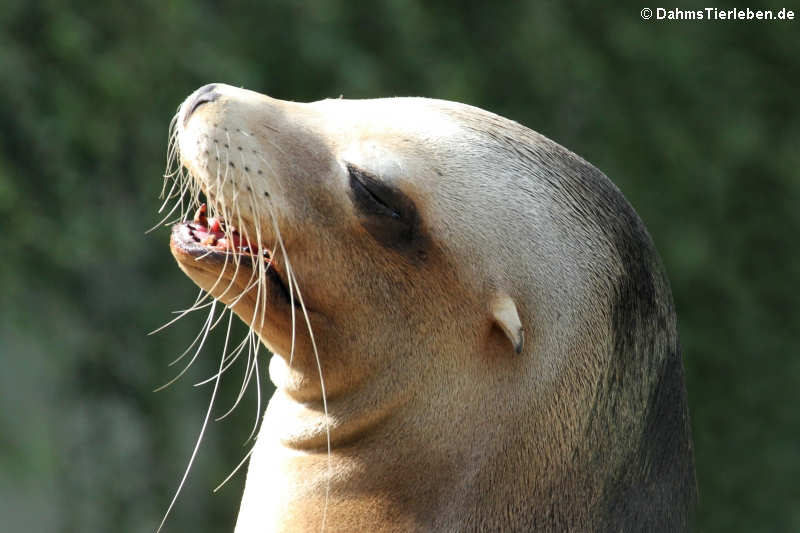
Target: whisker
column 230, row 359
column 170, row 195
column 249, row 368
column 189, row 348
column 258, row 216
column 235, row 206
column 258, row 394
column 195, row 307
column 236, row 469
column 319, row 370
column 207, row 328
column 199, row 437
column 169, row 214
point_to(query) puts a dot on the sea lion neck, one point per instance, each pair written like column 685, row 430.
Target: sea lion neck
column 354, row 409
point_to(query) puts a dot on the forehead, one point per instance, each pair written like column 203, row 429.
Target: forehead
column 400, row 119
column 394, row 138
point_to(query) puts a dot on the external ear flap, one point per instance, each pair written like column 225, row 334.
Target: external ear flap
column 504, row 312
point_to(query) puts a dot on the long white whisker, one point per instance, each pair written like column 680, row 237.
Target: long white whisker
column 249, row 368
column 233, row 472
column 230, row 205
column 194, row 307
column 186, row 185
column 169, row 196
column 207, row 328
column 197, row 305
column 230, row 359
column 277, row 232
column 169, row 214
column 319, row 370
column 189, row 348
column 197, row 444
column 258, row 395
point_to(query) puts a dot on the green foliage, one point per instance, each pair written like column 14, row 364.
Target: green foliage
column 697, row 122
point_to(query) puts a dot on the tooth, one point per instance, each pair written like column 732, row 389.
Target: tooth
column 200, row 215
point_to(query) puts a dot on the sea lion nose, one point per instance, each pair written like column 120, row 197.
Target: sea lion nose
column 203, row 95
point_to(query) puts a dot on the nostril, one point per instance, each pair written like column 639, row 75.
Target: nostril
column 207, row 88
column 203, row 95
column 200, row 100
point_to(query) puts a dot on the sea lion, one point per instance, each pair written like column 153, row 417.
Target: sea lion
column 479, row 311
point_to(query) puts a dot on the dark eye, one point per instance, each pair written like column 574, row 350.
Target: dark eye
column 388, row 214
column 371, row 196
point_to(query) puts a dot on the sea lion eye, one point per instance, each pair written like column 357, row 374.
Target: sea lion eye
column 370, row 195
column 387, row 213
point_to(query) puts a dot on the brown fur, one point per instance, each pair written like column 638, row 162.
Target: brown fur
column 436, row 424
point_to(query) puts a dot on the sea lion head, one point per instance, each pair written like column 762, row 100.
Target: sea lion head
column 448, row 279
column 375, row 206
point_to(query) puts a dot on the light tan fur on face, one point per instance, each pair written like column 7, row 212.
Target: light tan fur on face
column 436, row 422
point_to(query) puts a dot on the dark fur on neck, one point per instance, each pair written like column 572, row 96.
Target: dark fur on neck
column 638, row 439
column 634, row 468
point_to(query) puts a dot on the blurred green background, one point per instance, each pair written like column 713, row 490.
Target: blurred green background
column 697, row 122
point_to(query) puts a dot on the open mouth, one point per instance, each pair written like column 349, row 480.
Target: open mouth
column 212, row 235
column 212, row 241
